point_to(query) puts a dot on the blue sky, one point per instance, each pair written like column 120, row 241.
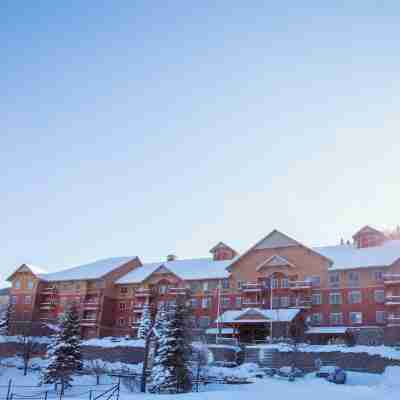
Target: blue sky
column 132, row 129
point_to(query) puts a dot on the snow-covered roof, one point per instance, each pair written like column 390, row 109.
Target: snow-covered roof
column 192, row 269
column 349, row 257
column 94, row 270
column 326, row 330
column 35, row 269
column 278, row 315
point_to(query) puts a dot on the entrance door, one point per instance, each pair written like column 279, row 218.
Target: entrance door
column 252, row 333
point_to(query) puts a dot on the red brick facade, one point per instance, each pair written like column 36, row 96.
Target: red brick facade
column 301, row 278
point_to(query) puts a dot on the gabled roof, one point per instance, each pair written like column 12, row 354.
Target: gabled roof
column 192, row 269
column 275, row 261
column 277, row 315
column 350, row 257
column 367, row 229
column 277, row 239
column 221, row 245
column 94, row 270
column 36, row 271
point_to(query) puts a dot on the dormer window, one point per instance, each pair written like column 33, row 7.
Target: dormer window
column 30, row 284
column 17, row 284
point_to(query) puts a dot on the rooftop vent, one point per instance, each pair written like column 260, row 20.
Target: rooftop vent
column 171, row 257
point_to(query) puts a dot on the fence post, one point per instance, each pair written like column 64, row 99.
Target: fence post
column 45, row 395
column 118, row 387
column 9, row 389
column 90, row 394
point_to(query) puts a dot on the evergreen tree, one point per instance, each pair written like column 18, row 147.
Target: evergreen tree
column 145, row 323
column 65, row 355
column 5, row 320
column 171, row 370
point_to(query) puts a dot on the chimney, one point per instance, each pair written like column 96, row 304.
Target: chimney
column 171, row 257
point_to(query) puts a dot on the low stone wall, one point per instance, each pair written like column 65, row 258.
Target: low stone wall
column 128, row 355
column 307, row 360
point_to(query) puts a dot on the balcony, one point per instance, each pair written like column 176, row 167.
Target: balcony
column 251, row 303
column 47, row 305
column 391, row 279
column 300, row 285
column 49, row 290
column 252, row 287
column 91, row 305
column 141, row 292
column 89, row 321
column 393, row 320
column 301, row 303
column 391, row 300
column 178, row 291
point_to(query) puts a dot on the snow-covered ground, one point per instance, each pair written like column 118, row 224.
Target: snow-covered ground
column 360, row 386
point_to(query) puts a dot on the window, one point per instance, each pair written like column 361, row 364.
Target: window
column 193, row 303
column 28, row 300
column 205, row 286
column 204, row 322
column 285, row 301
column 239, row 284
column 274, row 283
column 17, row 284
column 121, row 322
column 355, row 317
column 14, row 300
column 378, row 276
column 335, row 298
column 226, row 302
column 122, row 307
column 238, row 301
column 124, row 290
column 334, row 279
column 379, row 296
column 380, row 317
column 77, row 287
column 225, row 283
column 30, row 284
column 336, row 318
column 355, row 297
column 285, row 283
column 316, row 318
column 316, row 299
column 275, row 302
column 353, row 278
column 205, row 302
column 315, row 280
column 162, row 289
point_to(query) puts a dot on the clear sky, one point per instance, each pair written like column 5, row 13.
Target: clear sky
column 147, row 128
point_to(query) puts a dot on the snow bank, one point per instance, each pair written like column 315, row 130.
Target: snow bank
column 391, row 377
column 17, row 339
column 110, row 342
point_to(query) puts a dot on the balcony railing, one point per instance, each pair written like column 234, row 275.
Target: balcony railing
column 49, row 290
column 299, row 285
column 390, row 279
column 252, row 287
column 47, row 305
column 251, row 302
column 393, row 319
column 89, row 321
column 91, row 304
column 301, row 303
column 178, row 291
column 143, row 292
column 392, row 300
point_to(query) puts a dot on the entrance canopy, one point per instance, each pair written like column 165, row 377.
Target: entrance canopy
column 257, row 316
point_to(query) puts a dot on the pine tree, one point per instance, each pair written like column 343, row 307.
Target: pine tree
column 145, row 323
column 5, row 320
column 171, row 370
column 65, row 355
